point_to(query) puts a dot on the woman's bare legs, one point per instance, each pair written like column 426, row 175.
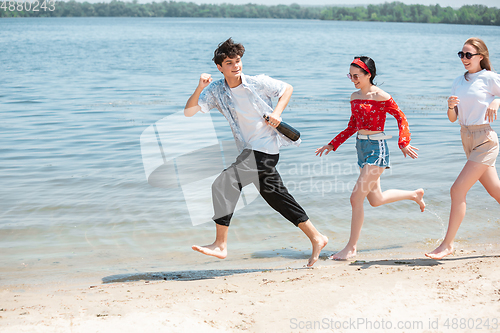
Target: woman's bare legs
column 491, row 183
column 471, row 173
column 367, row 179
column 368, row 185
column 378, row 198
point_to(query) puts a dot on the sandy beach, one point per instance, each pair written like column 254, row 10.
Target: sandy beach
column 458, row 294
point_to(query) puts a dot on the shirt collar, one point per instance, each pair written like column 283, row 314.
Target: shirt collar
column 243, row 82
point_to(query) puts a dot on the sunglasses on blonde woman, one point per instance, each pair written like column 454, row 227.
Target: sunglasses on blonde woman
column 468, row 55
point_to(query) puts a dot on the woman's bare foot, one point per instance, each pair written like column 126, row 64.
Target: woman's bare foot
column 420, row 199
column 346, row 253
column 318, row 245
column 442, row 251
column 215, row 250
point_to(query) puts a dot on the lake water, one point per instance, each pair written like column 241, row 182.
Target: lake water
column 76, row 94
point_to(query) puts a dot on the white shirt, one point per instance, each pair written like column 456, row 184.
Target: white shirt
column 475, row 94
column 263, row 89
column 255, row 130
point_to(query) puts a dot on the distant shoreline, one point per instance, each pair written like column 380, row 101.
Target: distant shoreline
column 387, row 12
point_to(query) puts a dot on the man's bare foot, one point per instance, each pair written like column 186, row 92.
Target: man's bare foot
column 214, row 250
column 441, row 252
column 420, row 199
column 346, row 253
column 318, row 245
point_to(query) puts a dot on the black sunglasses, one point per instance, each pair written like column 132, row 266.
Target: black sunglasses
column 468, row 55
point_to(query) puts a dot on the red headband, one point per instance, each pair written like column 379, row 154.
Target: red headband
column 361, row 64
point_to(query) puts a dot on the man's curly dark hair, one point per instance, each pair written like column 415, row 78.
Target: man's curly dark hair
column 227, row 49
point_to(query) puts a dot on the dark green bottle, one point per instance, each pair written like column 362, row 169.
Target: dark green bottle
column 286, row 130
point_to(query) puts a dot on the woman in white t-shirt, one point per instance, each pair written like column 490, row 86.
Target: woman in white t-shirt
column 473, row 103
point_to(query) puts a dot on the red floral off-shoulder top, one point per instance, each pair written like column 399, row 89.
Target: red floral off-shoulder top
column 370, row 115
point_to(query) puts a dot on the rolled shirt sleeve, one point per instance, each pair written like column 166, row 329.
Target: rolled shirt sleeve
column 270, row 87
column 207, row 100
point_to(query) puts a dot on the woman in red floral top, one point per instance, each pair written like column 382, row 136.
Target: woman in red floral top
column 369, row 107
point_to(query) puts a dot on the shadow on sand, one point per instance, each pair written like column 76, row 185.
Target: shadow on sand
column 424, row 262
column 177, row 275
column 293, row 253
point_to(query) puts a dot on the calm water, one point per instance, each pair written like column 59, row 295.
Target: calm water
column 77, row 93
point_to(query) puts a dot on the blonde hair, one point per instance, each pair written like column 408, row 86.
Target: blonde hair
column 481, row 48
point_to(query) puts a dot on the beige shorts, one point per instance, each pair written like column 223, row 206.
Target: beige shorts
column 480, row 143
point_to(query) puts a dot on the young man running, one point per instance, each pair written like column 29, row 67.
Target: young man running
column 244, row 101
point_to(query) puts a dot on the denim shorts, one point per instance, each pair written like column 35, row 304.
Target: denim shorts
column 372, row 152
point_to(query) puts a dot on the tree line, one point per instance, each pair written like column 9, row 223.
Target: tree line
column 399, row 12
column 387, row 12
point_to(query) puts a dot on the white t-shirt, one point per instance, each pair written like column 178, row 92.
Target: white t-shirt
column 475, row 94
column 255, row 130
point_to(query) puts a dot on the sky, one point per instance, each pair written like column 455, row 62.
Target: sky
column 442, row 3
